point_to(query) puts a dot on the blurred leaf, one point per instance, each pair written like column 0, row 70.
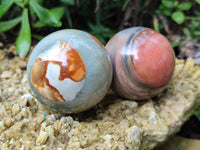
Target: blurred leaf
column 19, row 3
column 26, row 2
column 68, row 2
column 196, row 34
column 59, row 12
column 185, row 6
column 39, row 24
column 39, row 1
column 178, row 17
column 176, row 44
column 161, row 7
column 197, row 1
column 69, row 20
column 186, row 32
column 7, row 25
column 196, row 12
column 125, row 5
column 156, row 24
column 166, row 12
column 195, row 23
column 5, row 6
column 197, row 113
column 38, row 37
column 31, row 9
column 168, row 3
column 158, row 11
column 101, row 32
column 46, row 16
column 162, row 10
column 3, row 1
column 23, row 41
column 32, row 13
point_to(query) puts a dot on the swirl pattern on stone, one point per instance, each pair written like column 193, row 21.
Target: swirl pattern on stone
column 143, row 62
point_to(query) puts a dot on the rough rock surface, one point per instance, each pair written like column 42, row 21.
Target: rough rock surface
column 114, row 123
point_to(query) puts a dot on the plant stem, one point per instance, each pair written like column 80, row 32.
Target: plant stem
column 192, row 18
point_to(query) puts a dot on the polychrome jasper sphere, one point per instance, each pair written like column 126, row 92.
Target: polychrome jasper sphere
column 143, row 62
column 69, row 71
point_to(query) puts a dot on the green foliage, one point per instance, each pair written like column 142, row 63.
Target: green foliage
column 178, row 11
column 68, row 2
column 175, row 9
column 185, row 6
column 7, row 25
column 193, row 29
column 197, row 1
column 46, row 16
column 58, row 12
column 125, row 5
column 29, row 9
column 102, row 18
column 101, row 32
column 5, row 5
column 23, row 42
column 40, row 16
column 178, row 17
column 197, row 113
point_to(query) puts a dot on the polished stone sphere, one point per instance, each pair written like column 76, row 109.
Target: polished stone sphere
column 143, row 62
column 69, row 71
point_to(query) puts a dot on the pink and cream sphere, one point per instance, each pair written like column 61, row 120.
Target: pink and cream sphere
column 143, row 62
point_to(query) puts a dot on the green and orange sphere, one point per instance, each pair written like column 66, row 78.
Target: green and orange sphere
column 70, row 71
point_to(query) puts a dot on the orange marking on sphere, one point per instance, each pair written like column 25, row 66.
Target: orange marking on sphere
column 38, row 72
column 155, row 60
column 75, row 70
column 98, row 42
column 41, row 83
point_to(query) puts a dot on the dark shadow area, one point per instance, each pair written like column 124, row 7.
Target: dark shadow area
column 94, row 112
column 191, row 128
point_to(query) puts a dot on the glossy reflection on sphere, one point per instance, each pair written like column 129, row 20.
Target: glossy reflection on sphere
column 143, row 62
column 69, row 71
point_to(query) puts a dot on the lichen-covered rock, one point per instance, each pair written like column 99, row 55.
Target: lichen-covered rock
column 114, row 123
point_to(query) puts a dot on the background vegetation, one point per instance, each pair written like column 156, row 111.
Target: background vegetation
column 27, row 20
